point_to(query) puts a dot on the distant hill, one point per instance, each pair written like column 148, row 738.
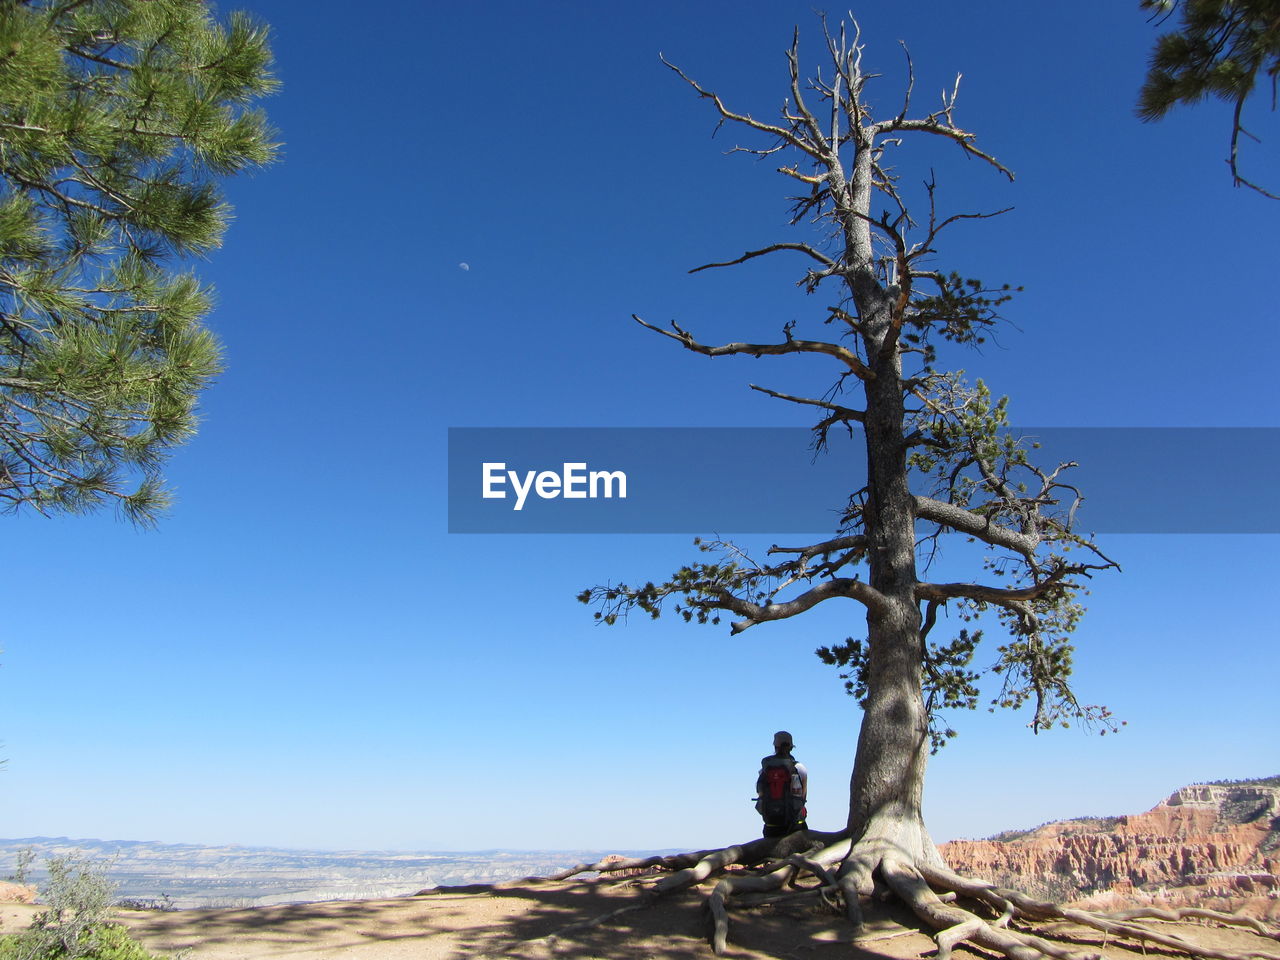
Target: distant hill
column 1207, row 843
column 1210, row 843
column 191, row 875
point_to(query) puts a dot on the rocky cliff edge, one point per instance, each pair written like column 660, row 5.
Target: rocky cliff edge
column 1213, row 845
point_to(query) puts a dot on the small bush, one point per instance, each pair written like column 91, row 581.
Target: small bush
column 108, row 941
column 23, row 860
column 164, row 903
column 76, row 925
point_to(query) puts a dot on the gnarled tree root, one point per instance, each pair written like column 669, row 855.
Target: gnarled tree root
column 1118, row 925
column 828, row 868
column 1174, row 914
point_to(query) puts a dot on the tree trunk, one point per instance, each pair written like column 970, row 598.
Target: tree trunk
column 893, row 744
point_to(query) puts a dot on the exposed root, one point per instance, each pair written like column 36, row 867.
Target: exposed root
column 603, row 867
column 1174, row 914
column 749, row 901
column 949, row 937
column 1032, row 909
column 830, row 870
column 749, row 884
column 704, row 868
column 955, row 924
column 931, row 891
column 608, row 866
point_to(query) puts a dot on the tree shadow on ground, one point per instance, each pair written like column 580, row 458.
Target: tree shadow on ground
column 542, row 921
column 677, row 926
column 524, row 923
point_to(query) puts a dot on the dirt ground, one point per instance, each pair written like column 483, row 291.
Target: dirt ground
column 537, row 923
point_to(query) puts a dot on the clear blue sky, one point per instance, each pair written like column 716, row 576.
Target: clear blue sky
column 302, row 655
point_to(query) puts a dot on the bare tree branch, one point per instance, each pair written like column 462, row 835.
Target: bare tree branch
column 754, row 613
column 986, row 594
column 793, row 66
column 841, row 413
column 772, row 248
column 932, row 125
column 1236, row 130
column 857, row 542
column 781, row 133
column 976, row 525
column 843, row 354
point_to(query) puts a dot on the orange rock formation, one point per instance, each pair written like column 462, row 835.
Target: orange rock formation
column 1217, row 842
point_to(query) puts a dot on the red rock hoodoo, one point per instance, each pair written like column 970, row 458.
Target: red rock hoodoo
column 1210, row 845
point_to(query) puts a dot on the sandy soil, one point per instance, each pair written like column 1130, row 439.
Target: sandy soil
column 537, row 923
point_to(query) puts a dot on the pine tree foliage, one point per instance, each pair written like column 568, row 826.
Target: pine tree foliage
column 117, row 120
column 1223, row 49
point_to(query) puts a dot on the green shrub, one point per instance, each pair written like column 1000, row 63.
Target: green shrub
column 76, row 925
column 78, row 896
column 21, row 862
column 108, row 941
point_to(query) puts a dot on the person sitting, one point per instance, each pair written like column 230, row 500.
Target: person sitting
column 781, row 789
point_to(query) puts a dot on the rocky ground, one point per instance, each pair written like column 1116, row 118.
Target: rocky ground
column 538, row 923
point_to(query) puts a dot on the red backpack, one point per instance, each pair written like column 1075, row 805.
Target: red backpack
column 778, row 803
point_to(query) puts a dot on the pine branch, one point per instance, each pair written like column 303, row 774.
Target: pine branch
column 686, row 339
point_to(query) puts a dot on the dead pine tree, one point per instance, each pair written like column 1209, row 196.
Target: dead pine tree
column 939, row 463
